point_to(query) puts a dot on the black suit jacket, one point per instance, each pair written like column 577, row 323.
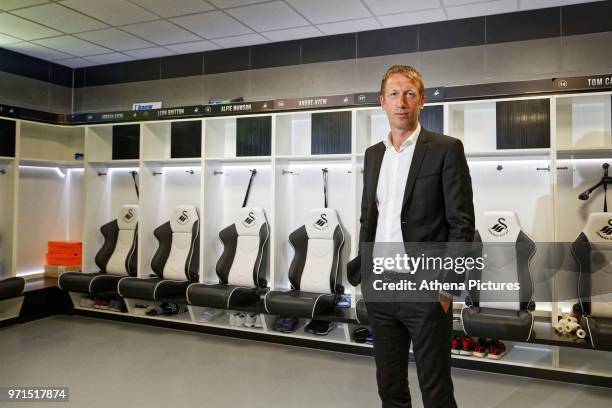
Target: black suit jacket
column 437, row 203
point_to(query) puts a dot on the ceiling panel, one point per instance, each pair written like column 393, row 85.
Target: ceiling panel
column 109, row 58
column 13, row 4
column 212, row 25
column 149, row 53
column 113, row 12
column 26, row 30
column 482, row 9
column 167, row 8
column 240, row 41
column 293, row 33
column 417, row 17
column 72, row 45
column 60, row 18
column 7, row 39
column 196, row 46
column 37, row 51
column 234, row 3
column 327, row 11
column 379, row 7
column 115, row 39
column 161, row 32
column 350, row 26
column 268, row 16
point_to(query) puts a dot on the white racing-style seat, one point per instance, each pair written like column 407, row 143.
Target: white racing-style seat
column 116, row 259
column 176, row 261
column 315, row 269
column 241, row 267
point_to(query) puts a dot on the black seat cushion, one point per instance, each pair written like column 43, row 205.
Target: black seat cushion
column 153, row 289
column 502, row 324
column 221, row 296
column 97, row 282
column 11, row 287
column 299, row 304
column 599, row 330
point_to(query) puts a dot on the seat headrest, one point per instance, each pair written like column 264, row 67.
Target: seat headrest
column 250, row 220
column 183, row 217
column 598, row 227
column 500, row 226
column 128, row 217
column 321, row 223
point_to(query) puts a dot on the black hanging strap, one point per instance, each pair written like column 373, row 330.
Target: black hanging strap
column 134, row 173
column 246, row 196
column 325, row 186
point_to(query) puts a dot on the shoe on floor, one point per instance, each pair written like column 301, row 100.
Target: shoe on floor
column 290, row 324
column 497, row 350
column 249, row 319
column 456, row 344
column 481, row 348
column 154, row 310
column 467, row 346
column 209, row 314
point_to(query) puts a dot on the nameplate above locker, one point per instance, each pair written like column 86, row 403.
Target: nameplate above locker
column 438, row 94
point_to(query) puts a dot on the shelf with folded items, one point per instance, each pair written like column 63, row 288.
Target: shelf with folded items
column 83, row 301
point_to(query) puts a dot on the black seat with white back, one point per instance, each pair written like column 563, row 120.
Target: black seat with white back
column 117, row 258
column 592, row 251
column 241, row 268
column 507, row 252
column 314, row 272
column 176, row 261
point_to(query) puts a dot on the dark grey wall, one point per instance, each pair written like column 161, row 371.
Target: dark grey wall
column 524, row 60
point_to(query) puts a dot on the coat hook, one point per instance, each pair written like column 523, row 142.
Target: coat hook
column 189, row 172
column 156, row 173
column 217, row 172
column 101, row 173
column 543, row 168
column 2, row 171
column 500, row 167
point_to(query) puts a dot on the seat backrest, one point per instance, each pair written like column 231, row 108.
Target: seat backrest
column 592, row 251
column 508, row 254
column 178, row 254
column 317, row 244
column 245, row 244
column 119, row 252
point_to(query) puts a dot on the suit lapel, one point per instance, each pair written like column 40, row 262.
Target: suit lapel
column 417, row 159
column 377, row 159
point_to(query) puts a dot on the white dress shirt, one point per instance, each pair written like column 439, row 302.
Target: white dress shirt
column 391, row 185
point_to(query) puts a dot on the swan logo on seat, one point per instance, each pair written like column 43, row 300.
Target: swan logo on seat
column 249, row 221
column 129, row 216
column 606, row 231
column 184, row 218
column 500, row 229
column 322, row 222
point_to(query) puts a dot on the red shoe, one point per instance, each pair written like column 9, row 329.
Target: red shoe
column 456, row 345
column 481, row 349
column 497, row 349
column 467, row 346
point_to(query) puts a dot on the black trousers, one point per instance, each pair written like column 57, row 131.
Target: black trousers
column 394, row 326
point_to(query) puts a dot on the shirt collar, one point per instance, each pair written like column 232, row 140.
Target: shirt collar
column 412, row 139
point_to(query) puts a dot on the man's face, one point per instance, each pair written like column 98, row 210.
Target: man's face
column 402, row 102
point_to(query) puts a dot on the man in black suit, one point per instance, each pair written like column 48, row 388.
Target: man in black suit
column 416, row 189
